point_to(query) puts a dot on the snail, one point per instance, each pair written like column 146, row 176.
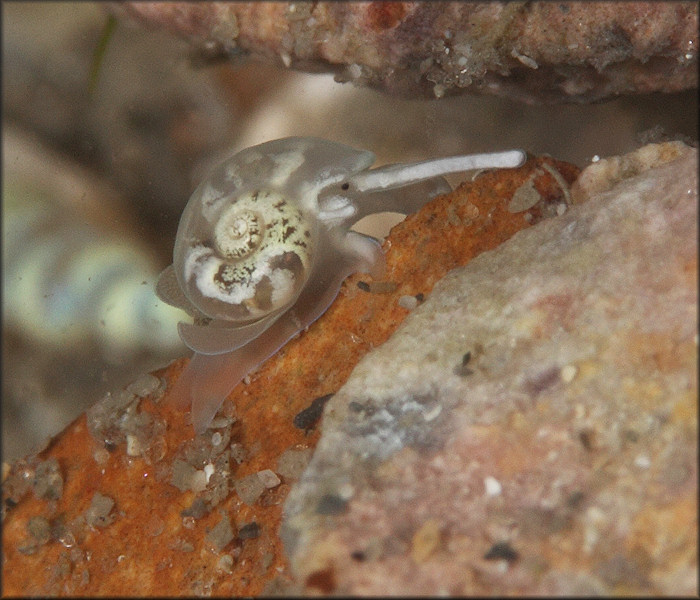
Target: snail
column 264, row 244
column 78, row 281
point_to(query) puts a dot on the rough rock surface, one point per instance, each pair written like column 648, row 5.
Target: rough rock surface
column 532, row 427
column 126, row 502
column 538, row 51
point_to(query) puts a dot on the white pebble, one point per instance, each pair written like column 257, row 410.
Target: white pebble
column 524, row 59
column 133, row 446
column 493, row 486
column 355, row 70
column 346, row 491
column 642, row 461
column 568, row 372
column 198, row 482
column 208, row 471
column 433, row 412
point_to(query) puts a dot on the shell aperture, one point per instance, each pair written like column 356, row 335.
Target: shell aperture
column 264, row 244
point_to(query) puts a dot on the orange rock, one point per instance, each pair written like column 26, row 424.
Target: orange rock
column 103, row 513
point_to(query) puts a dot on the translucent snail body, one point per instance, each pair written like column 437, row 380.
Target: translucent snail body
column 264, row 244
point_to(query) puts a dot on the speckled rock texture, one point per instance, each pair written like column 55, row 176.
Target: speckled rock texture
column 127, row 501
column 532, row 427
column 534, row 51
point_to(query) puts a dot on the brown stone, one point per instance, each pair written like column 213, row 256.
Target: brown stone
column 539, row 51
column 531, row 428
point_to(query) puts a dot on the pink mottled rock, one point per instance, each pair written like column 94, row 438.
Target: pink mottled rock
column 551, row 51
column 532, row 427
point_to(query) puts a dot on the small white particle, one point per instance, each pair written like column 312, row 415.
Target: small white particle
column 561, row 208
column 355, row 71
column 133, row 446
column 216, row 439
column 432, row 414
column 208, row 471
column 286, row 59
column 198, row 483
column 524, row 59
column 595, row 158
column 568, row 372
column 346, row 491
column 642, row 461
column 493, row 486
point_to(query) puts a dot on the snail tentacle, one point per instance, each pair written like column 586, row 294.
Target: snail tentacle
column 392, row 176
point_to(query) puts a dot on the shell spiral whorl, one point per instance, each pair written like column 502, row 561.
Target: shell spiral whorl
column 239, row 232
column 252, row 260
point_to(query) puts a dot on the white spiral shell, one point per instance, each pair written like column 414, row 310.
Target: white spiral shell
column 264, row 244
column 254, row 258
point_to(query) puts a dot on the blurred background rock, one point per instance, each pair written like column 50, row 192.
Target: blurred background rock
column 94, row 181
